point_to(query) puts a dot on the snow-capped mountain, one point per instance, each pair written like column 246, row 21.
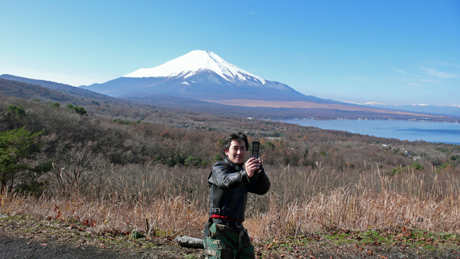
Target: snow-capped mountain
column 193, row 63
column 199, row 75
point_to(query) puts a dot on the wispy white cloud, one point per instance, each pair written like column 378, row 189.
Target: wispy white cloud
column 428, row 80
column 358, row 78
column 414, row 84
column 447, row 64
column 417, row 81
column 433, row 72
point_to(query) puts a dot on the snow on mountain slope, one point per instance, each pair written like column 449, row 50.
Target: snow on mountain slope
column 200, row 75
column 194, row 62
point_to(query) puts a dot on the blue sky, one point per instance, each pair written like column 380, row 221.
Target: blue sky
column 392, row 52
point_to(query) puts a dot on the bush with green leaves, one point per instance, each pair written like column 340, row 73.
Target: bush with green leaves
column 18, row 111
column 15, row 145
column 77, row 109
column 417, row 166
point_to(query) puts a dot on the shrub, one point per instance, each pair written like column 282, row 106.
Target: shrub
column 18, row 111
column 417, row 166
column 77, row 109
column 80, row 110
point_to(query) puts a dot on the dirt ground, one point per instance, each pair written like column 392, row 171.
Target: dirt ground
column 30, row 248
column 28, row 237
column 53, row 249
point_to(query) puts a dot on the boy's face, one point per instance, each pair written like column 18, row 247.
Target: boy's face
column 236, row 152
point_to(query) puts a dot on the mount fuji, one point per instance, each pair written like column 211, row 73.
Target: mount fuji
column 200, row 75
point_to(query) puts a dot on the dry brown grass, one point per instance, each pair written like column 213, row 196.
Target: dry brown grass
column 300, row 201
column 344, row 209
column 166, row 217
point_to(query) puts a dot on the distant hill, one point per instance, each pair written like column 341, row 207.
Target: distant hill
column 266, row 109
column 33, row 91
column 94, row 103
column 55, row 86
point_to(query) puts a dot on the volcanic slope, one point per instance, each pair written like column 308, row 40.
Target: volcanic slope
column 200, row 75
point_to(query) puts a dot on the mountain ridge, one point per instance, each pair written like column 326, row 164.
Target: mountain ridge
column 200, row 75
column 52, row 85
column 95, row 102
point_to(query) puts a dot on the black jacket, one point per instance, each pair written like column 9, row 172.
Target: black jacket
column 229, row 185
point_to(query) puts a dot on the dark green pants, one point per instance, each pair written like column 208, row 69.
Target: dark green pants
column 227, row 240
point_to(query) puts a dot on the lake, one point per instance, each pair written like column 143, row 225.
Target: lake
column 437, row 132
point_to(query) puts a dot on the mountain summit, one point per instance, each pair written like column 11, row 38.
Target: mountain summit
column 200, row 75
column 195, row 62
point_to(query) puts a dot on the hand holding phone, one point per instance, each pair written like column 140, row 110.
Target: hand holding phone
column 255, row 148
column 253, row 165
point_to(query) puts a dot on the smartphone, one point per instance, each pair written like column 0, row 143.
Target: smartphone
column 255, row 148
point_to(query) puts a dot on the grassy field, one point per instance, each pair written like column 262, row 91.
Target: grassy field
column 294, row 217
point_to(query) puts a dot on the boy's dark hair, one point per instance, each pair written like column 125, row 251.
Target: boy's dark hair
column 238, row 137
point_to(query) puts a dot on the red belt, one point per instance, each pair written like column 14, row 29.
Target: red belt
column 215, row 216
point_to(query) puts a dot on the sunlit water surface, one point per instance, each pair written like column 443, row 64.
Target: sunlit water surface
column 404, row 130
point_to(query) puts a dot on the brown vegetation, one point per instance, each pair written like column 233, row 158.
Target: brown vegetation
column 115, row 172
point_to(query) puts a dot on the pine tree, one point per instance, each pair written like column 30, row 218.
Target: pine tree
column 15, row 145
